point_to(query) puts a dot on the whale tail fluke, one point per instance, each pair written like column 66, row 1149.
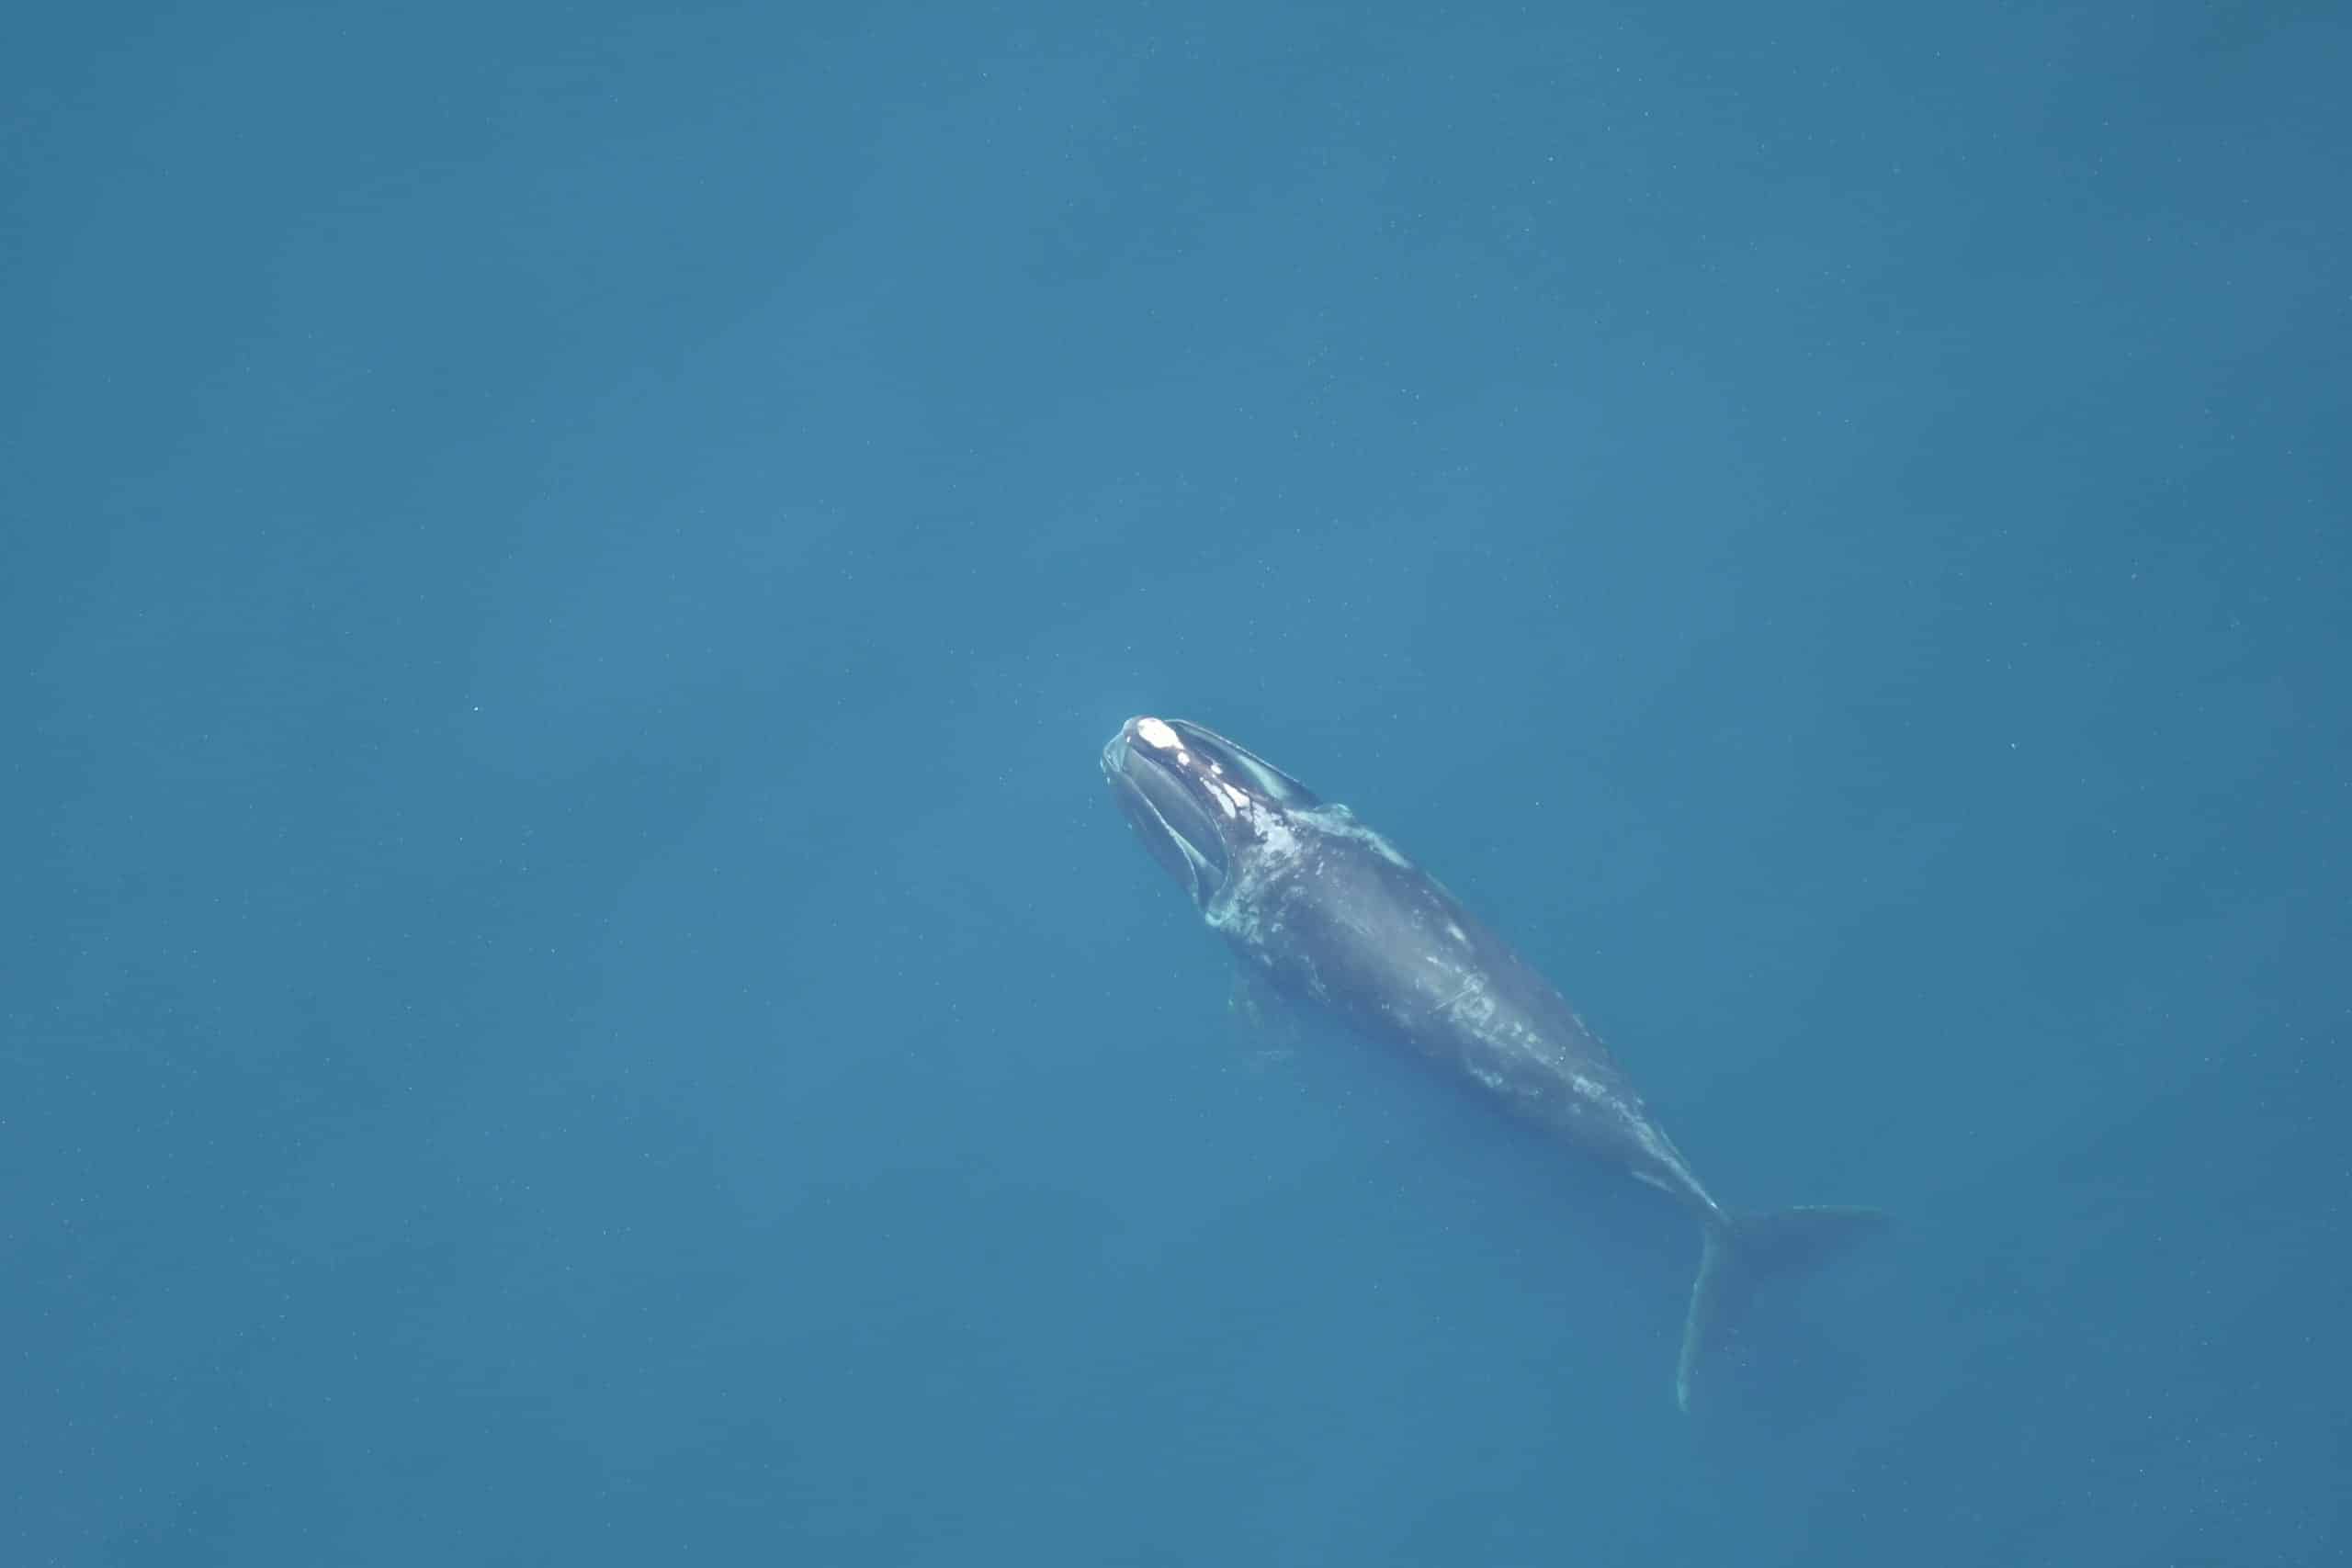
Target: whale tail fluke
column 1744, row 1251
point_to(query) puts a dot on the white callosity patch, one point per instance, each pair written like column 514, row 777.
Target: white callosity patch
column 1155, row 733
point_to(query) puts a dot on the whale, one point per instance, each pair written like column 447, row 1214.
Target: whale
column 1326, row 912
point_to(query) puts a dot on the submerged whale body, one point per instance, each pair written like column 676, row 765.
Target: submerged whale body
column 1326, row 909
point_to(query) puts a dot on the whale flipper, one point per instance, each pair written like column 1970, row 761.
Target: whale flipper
column 1742, row 1251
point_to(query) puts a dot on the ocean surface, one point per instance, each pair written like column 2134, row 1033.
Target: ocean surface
column 570, row 989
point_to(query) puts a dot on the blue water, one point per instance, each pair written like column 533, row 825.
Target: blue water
column 569, row 992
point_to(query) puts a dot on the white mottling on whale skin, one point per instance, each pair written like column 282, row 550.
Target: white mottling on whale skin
column 1341, row 823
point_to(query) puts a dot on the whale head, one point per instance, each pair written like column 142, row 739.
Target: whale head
column 1200, row 803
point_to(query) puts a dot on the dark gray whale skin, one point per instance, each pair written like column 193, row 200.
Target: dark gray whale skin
column 1324, row 909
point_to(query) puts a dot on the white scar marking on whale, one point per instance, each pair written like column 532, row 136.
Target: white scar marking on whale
column 1341, row 823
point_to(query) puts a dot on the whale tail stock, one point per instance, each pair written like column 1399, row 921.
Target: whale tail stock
column 1742, row 1251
